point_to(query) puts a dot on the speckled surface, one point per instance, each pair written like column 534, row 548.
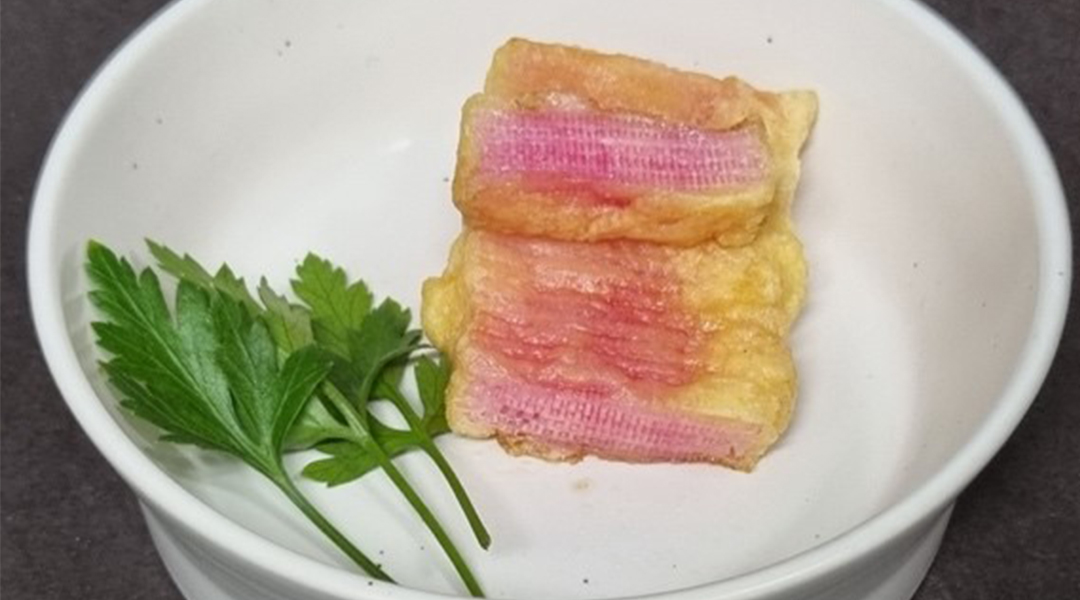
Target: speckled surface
column 70, row 527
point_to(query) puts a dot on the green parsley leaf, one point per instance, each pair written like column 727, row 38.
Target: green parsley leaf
column 209, row 377
column 336, row 306
column 432, row 378
column 316, row 425
column 348, row 461
column 290, row 324
column 188, row 269
column 384, row 331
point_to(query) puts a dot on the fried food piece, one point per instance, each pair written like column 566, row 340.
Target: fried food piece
column 628, row 274
column 572, row 144
column 625, row 350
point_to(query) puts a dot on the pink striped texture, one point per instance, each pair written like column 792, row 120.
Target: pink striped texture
column 622, row 149
column 573, row 346
column 593, row 418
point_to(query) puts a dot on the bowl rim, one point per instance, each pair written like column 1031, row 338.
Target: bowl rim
column 226, row 536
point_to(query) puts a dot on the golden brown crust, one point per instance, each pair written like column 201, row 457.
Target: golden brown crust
column 746, row 297
column 524, row 446
column 525, row 75
column 526, row 71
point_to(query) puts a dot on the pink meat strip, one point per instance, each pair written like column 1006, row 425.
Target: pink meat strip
column 588, row 146
column 594, row 419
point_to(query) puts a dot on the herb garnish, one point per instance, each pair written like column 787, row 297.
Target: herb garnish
column 254, row 379
column 369, row 336
column 368, row 348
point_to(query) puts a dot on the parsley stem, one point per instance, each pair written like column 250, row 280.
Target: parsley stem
column 364, row 438
column 429, row 519
column 289, row 488
column 427, row 444
column 353, row 419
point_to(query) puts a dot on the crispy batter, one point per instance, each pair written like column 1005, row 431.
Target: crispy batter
column 743, row 301
column 533, row 77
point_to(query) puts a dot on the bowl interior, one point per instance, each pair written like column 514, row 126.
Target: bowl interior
column 254, row 132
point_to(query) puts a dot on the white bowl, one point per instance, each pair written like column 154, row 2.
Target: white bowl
column 934, row 224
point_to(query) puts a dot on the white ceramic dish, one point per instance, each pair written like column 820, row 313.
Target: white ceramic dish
column 254, row 131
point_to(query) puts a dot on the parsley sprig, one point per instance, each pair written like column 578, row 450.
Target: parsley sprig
column 368, row 347
column 209, row 377
column 255, row 378
column 371, row 337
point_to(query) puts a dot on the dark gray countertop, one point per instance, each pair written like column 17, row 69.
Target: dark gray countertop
column 70, row 527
